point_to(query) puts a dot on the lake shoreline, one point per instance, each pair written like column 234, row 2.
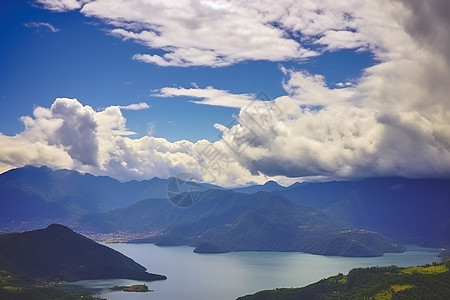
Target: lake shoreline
column 230, row 275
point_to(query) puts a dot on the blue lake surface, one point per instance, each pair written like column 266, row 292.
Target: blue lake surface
column 230, row 275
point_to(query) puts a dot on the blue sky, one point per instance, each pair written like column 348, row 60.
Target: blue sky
column 340, row 72
column 82, row 61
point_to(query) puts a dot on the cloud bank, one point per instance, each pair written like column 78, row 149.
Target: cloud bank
column 74, row 136
column 392, row 121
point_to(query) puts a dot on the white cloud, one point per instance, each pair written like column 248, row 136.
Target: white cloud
column 341, row 39
column 74, row 136
column 394, row 120
column 344, row 84
column 219, row 33
column 17, row 151
column 62, row 5
column 310, row 89
column 41, row 25
column 195, row 33
column 339, row 141
column 67, row 125
column 135, row 106
column 208, row 96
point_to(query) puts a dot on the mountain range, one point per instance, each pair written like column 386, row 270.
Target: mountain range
column 332, row 218
column 31, row 196
column 223, row 221
column 409, row 210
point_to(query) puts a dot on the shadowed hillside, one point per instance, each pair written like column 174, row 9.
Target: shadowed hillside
column 56, row 253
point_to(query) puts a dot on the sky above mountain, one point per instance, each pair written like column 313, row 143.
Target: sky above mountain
column 230, row 92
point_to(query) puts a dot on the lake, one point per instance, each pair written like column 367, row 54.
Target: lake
column 230, row 275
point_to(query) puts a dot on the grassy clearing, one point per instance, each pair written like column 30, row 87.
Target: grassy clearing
column 387, row 294
column 383, row 295
column 343, row 280
column 426, row 270
column 11, row 288
column 400, row 287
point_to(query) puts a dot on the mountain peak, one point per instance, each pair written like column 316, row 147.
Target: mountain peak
column 58, row 228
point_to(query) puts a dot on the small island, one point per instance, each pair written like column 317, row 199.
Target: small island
column 141, row 288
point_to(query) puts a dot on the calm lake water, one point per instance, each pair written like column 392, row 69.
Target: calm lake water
column 230, row 275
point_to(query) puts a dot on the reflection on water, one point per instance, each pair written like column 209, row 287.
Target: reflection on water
column 230, row 275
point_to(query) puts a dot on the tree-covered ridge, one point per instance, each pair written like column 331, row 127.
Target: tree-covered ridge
column 377, row 283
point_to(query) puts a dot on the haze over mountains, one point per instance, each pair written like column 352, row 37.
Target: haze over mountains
column 31, row 195
column 409, row 210
column 331, row 218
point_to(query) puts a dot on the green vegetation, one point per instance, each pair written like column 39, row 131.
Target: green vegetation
column 376, row 283
column 400, row 287
column 13, row 288
column 388, row 294
column 132, row 288
column 434, row 269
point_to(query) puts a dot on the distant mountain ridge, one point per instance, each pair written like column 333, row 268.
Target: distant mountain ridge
column 57, row 253
column 410, row 210
column 223, row 221
column 31, row 196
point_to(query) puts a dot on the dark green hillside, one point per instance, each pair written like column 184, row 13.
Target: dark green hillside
column 227, row 221
column 56, row 253
column 144, row 216
column 377, row 283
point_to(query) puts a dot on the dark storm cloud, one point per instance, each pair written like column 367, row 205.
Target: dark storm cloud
column 430, row 24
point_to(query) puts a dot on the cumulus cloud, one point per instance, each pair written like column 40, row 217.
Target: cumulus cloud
column 41, row 25
column 393, row 120
column 337, row 141
column 66, row 125
column 74, row 136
